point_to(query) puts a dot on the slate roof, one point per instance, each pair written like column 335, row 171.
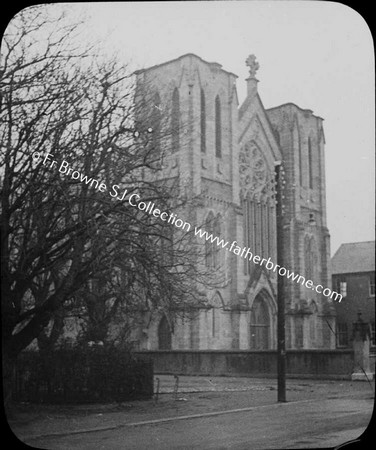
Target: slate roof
column 354, row 257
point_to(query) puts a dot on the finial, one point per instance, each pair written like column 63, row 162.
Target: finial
column 253, row 65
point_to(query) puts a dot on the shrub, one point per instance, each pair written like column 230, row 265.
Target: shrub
column 82, row 375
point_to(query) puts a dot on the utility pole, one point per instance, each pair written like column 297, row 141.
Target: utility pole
column 281, row 345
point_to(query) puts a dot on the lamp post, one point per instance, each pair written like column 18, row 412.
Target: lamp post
column 281, row 345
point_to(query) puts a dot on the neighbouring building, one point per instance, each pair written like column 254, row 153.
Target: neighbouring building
column 226, row 153
column 353, row 275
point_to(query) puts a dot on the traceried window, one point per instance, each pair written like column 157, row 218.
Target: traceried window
column 175, row 121
column 218, row 128
column 257, row 193
column 203, row 122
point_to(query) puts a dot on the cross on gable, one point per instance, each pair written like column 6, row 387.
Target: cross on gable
column 253, row 65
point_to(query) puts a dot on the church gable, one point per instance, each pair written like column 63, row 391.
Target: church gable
column 254, row 125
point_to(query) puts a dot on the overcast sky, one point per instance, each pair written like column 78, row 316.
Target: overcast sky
column 318, row 55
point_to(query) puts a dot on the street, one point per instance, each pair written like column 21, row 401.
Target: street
column 321, row 419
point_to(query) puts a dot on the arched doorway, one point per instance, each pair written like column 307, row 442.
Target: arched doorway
column 260, row 325
column 164, row 334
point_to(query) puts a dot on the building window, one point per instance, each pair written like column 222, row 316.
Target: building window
column 342, row 335
column 299, row 334
column 218, row 128
column 260, row 325
column 310, row 164
column 372, row 286
column 341, row 287
column 310, row 258
column 217, row 248
column 300, row 162
column 258, row 231
column 271, row 231
column 212, row 250
column 156, row 124
column 166, row 239
column 164, row 334
column 209, row 246
column 175, row 121
column 373, row 337
column 203, row 122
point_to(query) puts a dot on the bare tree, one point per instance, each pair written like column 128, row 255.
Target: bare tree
column 68, row 242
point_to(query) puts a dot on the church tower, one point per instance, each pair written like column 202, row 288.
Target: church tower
column 310, row 316
column 196, row 106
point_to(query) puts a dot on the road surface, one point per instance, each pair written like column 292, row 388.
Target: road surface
column 315, row 423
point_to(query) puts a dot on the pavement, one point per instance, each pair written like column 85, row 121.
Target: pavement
column 206, row 412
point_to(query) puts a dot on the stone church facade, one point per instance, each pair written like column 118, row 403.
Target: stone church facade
column 226, row 154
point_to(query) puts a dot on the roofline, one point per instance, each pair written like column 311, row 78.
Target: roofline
column 351, row 243
column 353, row 273
column 357, row 242
column 296, row 106
column 270, row 125
column 137, row 72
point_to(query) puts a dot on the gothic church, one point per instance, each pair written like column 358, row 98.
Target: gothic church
column 229, row 152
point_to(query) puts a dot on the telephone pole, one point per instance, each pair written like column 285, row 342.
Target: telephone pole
column 281, row 345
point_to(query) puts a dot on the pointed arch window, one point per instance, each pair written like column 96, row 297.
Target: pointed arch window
column 217, row 248
column 310, row 258
column 166, row 240
column 260, row 325
column 300, row 162
column 164, row 334
column 218, row 128
column 310, row 164
column 175, row 121
column 209, row 246
column 156, row 123
column 203, row 121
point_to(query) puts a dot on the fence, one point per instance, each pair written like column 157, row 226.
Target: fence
column 325, row 364
column 82, row 376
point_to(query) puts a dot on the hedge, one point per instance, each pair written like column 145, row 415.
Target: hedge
column 82, row 375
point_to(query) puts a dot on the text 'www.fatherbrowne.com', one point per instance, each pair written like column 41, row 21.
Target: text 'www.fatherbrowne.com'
column 246, row 253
